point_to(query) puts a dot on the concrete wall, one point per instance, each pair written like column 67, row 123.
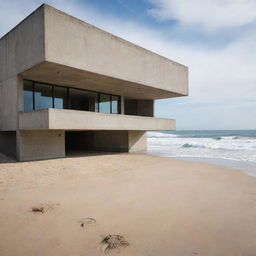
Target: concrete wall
column 137, row 141
column 20, row 49
column 8, row 143
column 76, row 44
column 23, row 46
column 63, row 119
column 9, row 104
column 35, row 145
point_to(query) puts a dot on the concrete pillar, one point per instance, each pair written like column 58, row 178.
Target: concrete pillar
column 36, row 145
column 137, row 141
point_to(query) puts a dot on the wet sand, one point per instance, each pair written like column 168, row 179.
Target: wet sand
column 161, row 206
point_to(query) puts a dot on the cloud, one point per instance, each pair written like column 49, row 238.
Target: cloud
column 208, row 14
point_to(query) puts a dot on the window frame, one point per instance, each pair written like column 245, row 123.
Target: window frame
column 68, row 96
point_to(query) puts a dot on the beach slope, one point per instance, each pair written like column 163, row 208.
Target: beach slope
column 160, row 206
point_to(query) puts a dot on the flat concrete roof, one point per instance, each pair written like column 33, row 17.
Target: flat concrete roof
column 52, row 46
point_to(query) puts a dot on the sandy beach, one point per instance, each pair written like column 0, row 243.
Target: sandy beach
column 161, row 206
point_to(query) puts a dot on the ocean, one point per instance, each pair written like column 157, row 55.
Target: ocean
column 229, row 148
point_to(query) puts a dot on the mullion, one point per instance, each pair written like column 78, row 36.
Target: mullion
column 111, row 104
column 68, row 99
column 33, row 88
column 68, row 96
column 53, row 96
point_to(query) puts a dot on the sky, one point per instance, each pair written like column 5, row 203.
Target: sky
column 216, row 39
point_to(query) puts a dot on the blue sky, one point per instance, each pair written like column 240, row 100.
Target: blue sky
column 214, row 38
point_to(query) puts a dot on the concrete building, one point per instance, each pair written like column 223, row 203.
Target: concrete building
column 66, row 85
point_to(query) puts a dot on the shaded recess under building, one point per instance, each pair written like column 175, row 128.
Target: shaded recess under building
column 67, row 85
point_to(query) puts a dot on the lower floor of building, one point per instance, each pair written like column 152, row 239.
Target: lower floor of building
column 27, row 145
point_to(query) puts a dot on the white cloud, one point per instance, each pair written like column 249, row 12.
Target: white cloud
column 221, row 80
column 208, row 14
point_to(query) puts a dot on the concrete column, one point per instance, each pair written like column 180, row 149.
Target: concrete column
column 137, row 141
column 36, row 145
column 8, row 104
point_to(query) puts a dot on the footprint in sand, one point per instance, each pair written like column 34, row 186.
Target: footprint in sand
column 43, row 208
column 112, row 242
column 85, row 222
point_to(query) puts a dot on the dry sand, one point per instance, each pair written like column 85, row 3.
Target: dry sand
column 160, row 206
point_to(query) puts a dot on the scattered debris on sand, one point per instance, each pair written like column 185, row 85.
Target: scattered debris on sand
column 38, row 209
column 111, row 242
column 86, row 221
column 43, row 208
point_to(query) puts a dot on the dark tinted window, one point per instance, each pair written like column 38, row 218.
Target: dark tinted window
column 28, row 96
column 42, row 96
column 83, row 100
column 60, row 97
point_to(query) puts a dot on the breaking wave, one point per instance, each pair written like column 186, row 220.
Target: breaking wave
column 233, row 145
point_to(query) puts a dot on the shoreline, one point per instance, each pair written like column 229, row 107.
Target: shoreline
column 161, row 206
column 247, row 167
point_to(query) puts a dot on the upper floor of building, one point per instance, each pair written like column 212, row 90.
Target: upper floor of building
column 53, row 47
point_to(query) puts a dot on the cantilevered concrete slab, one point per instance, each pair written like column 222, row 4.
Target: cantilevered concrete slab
column 54, row 47
column 63, row 119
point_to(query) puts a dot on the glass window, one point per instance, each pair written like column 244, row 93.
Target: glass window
column 104, row 103
column 115, row 104
column 37, row 96
column 83, row 100
column 60, row 97
column 27, row 96
column 43, row 96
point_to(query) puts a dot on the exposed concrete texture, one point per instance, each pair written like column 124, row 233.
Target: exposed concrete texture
column 63, row 75
column 137, row 141
column 9, row 104
column 23, row 47
column 35, row 145
column 63, row 119
column 97, row 51
column 53, row 47
column 8, row 143
column 34, row 120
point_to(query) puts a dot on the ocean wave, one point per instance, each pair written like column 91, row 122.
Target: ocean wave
column 238, row 148
column 217, row 138
column 161, row 135
column 187, row 145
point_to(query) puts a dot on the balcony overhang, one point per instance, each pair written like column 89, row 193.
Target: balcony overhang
column 62, row 119
column 54, row 73
column 77, row 54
